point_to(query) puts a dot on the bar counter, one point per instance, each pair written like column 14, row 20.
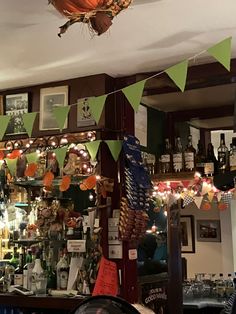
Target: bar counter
column 27, row 304
column 203, row 305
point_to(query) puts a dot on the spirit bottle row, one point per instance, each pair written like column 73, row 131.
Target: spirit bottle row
column 189, row 159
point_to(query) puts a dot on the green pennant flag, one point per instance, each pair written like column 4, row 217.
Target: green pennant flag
column 115, row 148
column 61, row 155
column 178, row 74
column 92, row 148
column 222, row 52
column 4, row 120
column 11, row 164
column 61, row 113
column 28, row 120
column 96, row 105
column 134, row 93
column 32, row 158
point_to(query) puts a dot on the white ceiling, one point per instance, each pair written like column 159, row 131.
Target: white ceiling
column 147, row 37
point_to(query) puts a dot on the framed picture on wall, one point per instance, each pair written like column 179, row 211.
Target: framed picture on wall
column 84, row 116
column 50, row 98
column 208, row 231
column 187, row 234
column 15, row 106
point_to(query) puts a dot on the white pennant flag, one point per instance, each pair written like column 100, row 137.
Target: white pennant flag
column 198, row 201
column 219, row 196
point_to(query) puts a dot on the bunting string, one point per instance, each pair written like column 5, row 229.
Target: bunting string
column 178, row 73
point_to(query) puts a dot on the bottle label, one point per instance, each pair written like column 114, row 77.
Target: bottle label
column 189, row 161
column 177, row 161
column 18, row 279
column 63, row 279
column 232, row 160
column 165, row 158
column 222, row 160
column 209, row 168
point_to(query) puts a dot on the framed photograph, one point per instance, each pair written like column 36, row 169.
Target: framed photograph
column 208, row 231
column 50, row 98
column 84, row 116
column 187, row 234
column 15, row 106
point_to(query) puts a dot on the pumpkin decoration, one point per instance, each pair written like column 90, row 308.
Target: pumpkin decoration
column 31, row 170
column 98, row 14
column 48, row 178
column 65, row 183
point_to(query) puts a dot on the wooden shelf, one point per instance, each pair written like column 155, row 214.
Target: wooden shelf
column 173, row 176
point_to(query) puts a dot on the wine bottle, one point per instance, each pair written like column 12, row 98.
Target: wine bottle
column 210, row 167
column 200, row 158
column 178, row 156
column 165, row 159
column 18, row 276
column 222, row 155
column 232, row 155
column 51, row 274
column 62, row 273
column 189, row 155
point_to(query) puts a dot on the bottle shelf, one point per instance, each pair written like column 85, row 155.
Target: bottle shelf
column 173, row 176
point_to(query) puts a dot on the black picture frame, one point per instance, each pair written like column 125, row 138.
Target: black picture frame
column 187, row 234
column 16, row 105
column 208, row 230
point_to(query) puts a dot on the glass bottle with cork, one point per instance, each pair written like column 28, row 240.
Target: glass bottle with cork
column 189, row 155
column 178, row 156
column 165, row 159
column 210, row 167
column 200, row 158
column 223, row 155
column 232, row 155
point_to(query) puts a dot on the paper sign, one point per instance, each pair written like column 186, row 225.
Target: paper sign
column 77, row 246
column 107, row 280
column 133, row 254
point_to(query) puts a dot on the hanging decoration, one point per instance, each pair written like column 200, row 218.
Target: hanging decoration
column 61, row 113
column 222, row 52
column 115, row 148
column 178, row 74
column 98, row 14
column 60, row 155
column 134, row 93
column 92, row 148
column 200, row 191
column 28, row 120
column 96, row 105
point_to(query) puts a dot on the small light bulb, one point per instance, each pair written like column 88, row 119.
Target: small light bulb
column 21, row 151
column 165, row 212
column 16, row 145
column 85, row 154
column 85, row 166
column 98, row 177
column 53, row 144
column 27, row 145
column 31, row 141
column 90, row 197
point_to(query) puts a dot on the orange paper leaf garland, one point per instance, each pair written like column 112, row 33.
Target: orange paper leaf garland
column 88, row 183
column 15, row 154
column 31, row 170
column 65, row 183
column 48, row 178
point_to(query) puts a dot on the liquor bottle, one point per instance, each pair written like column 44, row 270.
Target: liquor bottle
column 165, row 159
column 62, row 273
column 210, row 167
column 220, row 287
column 44, row 263
column 200, row 158
column 232, row 155
column 189, row 155
column 229, row 286
column 37, row 273
column 14, row 261
column 18, row 275
column 51, row 274
column 178, row 156
column 222, row 155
